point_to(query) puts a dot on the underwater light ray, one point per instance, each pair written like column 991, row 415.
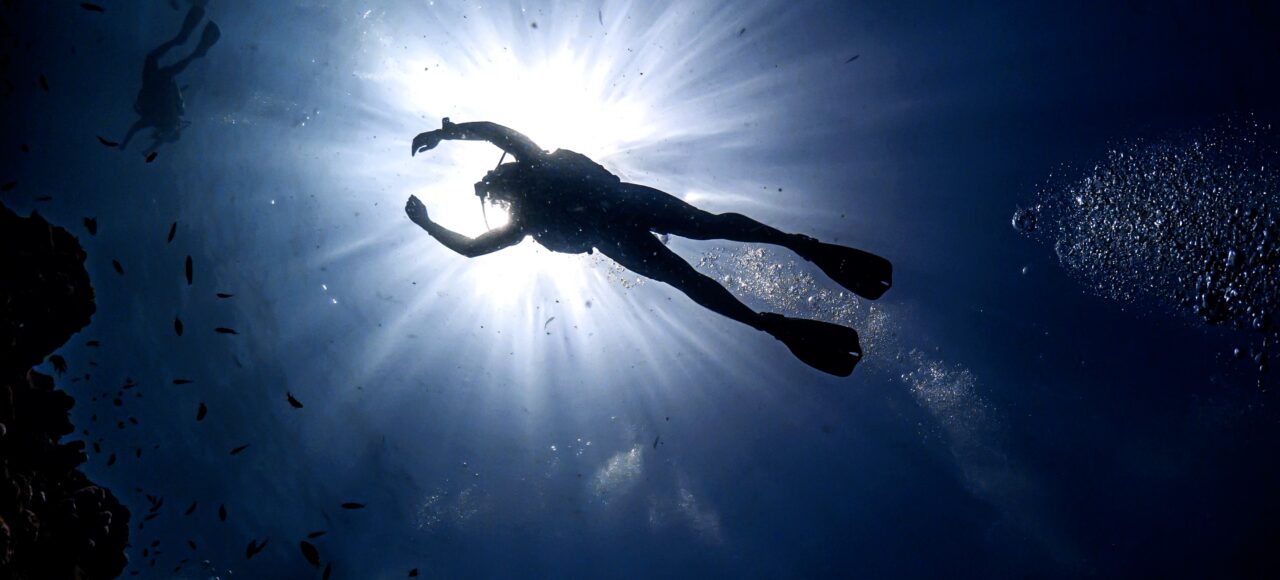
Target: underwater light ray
column 679, row 127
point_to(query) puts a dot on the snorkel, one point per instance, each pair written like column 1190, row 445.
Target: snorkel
column 482, row 192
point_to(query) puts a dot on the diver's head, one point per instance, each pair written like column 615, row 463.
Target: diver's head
column 502, row 185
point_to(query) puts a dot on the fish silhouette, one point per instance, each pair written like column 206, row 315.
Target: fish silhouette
column 310, row 553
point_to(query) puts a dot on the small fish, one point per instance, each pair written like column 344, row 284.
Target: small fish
column 8, row 186
column 296, row 404
column 253, row 548
column 91, row 224
column 191, row 543
column 413, row 573
column 351, row 505
column 310, row 553
column 59, row 364
column 119, row 269
column 225, row 330
column 222, row 512
column 190, row 510
column 852, row 58
column 201, row 412
column 173, row 229
column 111, row 460
column 600, row 16
column 224, row 295
column 44, row 83
column 237, row 450
column 137, row 452
column 655, row 441
column 328, row 569
column 743, row 31
column 92, row 7
column 314, row 535
column 544, row 324
column 107, row 142
column 150, row 517
column 182, row 381
column 189, row 272
column 45, row 198
column 533, row 25
column 151, row 157
column 177, row 325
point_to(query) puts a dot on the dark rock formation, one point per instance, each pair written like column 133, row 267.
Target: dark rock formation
column 54, row 522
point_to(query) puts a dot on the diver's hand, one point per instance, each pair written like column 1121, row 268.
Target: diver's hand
column 416, row 211
column 426, row 141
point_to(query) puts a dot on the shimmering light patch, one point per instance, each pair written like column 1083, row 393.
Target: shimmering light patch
column 684, row 509
column 949, row 393
column 618, row 474
column 704, row 521
column 964, row 421
column 1187, row 223
column 443, row 507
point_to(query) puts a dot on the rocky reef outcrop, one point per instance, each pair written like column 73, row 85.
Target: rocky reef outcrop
column 54, row 522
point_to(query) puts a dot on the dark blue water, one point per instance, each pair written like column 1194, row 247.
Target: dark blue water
column 498, row 416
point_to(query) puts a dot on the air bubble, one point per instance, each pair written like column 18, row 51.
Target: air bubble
column 1185, row 223
column 1024, row 220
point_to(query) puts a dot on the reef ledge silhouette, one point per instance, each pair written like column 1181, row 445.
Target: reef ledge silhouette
column 54, row 521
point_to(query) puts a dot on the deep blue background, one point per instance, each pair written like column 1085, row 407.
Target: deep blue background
column 1094, row 439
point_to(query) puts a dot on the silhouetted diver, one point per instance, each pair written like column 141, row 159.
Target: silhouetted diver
column 159, row 104
column 570, row 204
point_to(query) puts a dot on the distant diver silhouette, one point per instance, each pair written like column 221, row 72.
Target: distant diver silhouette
column 159, row 104
column 570, row 204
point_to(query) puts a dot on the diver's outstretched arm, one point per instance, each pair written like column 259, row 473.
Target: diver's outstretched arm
column 509, row 140
column 486, row 243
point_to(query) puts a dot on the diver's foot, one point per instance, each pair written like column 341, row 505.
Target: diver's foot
column 862, row 273
column 194, row 16
column 208, row 38
column 830, row 348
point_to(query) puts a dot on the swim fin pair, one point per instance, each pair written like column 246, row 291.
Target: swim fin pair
column 193, row 18
column 830, row 348
column 862, row 273
column 208, row 38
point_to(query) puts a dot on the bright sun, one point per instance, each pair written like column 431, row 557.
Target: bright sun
column 560, row 100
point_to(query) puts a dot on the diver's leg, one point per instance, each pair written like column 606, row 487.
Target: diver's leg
column 828, row 347
column 642, row 253
column 668, row 214
column 208, row 38
column 137, row 126
column 863, row 273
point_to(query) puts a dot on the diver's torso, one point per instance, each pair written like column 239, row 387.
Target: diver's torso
column 160, row 101
column 566, row 205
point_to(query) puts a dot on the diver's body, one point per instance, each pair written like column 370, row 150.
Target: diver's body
column 569, row 204
column 159, row 104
